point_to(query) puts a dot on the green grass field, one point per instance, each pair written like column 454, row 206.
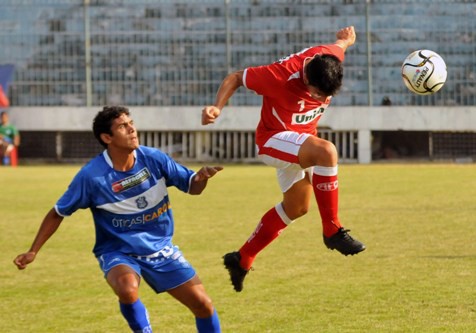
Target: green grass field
column 418, row 273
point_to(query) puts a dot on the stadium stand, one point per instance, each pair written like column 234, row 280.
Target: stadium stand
column 175, row 53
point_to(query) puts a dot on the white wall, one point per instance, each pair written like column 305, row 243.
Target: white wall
column 412, row 118
column 361, row 119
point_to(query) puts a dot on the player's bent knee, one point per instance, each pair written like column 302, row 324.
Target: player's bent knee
column 127, row 295
column 316, row 151
column 327, row 154
column 329, row 150
column 205, row 311
column 202, row 307
column 127, row 289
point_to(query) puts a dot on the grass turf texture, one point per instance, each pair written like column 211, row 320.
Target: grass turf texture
column 417, row 274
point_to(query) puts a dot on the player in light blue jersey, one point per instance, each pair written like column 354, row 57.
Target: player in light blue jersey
column 125, row 188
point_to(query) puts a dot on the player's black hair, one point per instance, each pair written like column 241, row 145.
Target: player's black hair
column 103, row 121
column 325, row 72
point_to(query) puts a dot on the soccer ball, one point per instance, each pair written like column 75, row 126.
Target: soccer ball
column 424, row 72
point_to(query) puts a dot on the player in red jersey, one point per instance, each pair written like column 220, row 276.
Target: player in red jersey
column 296, row 90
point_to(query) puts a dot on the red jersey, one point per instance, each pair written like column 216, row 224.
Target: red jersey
column 287, row 104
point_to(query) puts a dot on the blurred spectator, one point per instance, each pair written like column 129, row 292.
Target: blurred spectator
column 6, row 74
column 4, row 102
column 9, row 138
column 386, row 101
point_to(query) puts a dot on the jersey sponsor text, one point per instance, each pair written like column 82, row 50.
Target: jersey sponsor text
column 141, row 219
column 131, row 181
column 306, row 118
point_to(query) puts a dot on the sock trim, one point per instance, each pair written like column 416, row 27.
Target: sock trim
column 325, row 171
column 282, row 214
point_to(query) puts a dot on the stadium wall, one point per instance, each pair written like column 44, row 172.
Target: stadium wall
column 63, row 134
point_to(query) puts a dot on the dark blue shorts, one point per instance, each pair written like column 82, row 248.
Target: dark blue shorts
column 163, row 270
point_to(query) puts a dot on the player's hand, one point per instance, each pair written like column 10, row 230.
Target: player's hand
column 207, row 172
column 209, row 114
column 22, row 260
column 346, row 36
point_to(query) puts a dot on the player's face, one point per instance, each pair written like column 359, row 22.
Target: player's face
column 317, row 94
column 124, row 133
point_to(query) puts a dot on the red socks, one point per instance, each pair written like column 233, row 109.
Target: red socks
column 270, row 226
column 325, row 185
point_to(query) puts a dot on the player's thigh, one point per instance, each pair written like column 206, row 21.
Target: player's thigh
column 281, row 152
column 122, row 273
column 297, row 199
column 192, row 294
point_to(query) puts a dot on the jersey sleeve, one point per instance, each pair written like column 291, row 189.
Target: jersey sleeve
column 76, row 196
column 332, row 49
column 263, row 80
column 175, row 174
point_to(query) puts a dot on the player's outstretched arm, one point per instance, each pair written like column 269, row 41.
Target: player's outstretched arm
column 345, row 37
column 48, row 227
column 199, row 181
column 227, row 88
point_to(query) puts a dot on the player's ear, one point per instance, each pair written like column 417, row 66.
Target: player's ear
column 106, row 138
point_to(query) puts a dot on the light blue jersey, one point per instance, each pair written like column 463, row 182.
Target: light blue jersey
column 131, row 210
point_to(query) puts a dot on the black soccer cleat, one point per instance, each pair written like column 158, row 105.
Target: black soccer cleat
column 237, row 273
column 344, row 243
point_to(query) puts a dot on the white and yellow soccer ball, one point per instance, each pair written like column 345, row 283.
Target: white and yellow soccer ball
column 424, row 72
